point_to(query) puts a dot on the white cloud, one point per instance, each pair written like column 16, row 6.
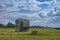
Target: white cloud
column 32, row 5
column 12, row 5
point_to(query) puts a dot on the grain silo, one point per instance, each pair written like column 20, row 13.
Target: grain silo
column 21, row 25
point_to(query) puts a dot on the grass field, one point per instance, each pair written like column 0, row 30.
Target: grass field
column 43, row 34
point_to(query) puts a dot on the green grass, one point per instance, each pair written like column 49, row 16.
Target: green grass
column 43, row 34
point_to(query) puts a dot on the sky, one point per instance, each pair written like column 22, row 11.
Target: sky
column 39, row 12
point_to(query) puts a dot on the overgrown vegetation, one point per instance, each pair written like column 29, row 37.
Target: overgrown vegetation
column 43, row 34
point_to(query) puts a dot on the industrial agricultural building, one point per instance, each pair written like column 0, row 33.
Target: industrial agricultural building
column 21, row 25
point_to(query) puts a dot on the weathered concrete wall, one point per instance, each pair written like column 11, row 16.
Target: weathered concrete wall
column 21, row 25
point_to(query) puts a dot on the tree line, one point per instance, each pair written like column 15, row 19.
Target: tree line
column 39, row 27
column 9, row 25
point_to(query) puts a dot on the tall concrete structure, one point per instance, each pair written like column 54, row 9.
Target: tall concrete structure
column 21, row 25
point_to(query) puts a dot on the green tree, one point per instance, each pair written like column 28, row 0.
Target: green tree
column 10, row 25
column 1, row 25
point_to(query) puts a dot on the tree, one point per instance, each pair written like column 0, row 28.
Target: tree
column 10, row 25
column 1, row 25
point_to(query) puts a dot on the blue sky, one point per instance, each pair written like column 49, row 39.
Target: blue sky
column 39, row 12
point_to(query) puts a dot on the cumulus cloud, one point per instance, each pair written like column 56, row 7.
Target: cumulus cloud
column 37, row 11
